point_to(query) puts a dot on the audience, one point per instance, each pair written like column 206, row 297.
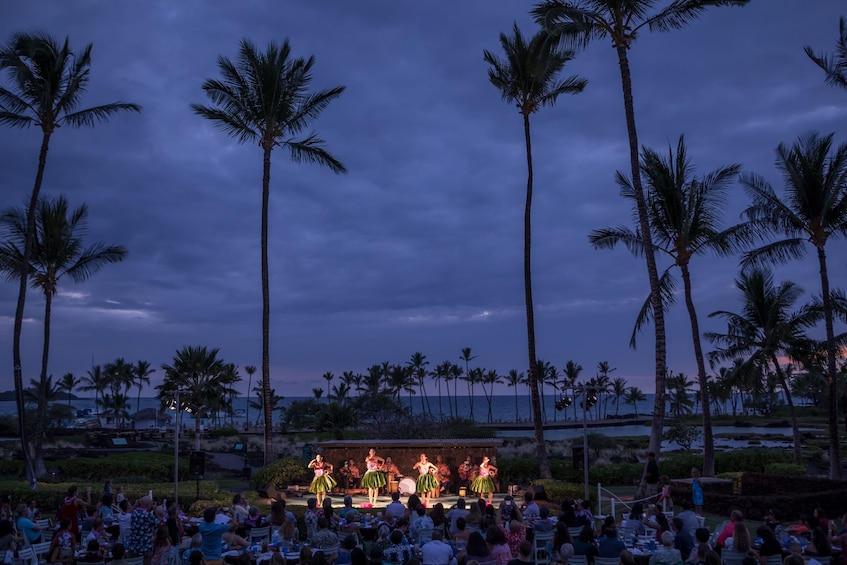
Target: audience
column 667, row 554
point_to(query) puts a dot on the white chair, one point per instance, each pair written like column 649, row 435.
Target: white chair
column 575, row 531
column 260, row 534
column 774, row 560
column 606, row 560
column 424, row 535
column 542, row 548
column 27, row 555
column 44, row 523
column 41, row 551
column 134, row 561
column 577, row 560
column 820, row 559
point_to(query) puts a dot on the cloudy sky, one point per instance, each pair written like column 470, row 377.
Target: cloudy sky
column 419, row 247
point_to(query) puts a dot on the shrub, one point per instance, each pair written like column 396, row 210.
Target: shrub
column 558, row 491
column 752, row 460
column 149, row 466
column 280, row 473
column 619, row 474
column 223, row 432
column 735, row 477
column 518, row 471
column 785, row 469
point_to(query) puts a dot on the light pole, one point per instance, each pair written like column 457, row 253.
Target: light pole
column 589, row 400
column 177, row 411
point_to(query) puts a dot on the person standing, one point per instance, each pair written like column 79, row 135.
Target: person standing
column 696, row 490
column 71, row 507
column 373, row 480
column 426, row 480
column 651, row 475
column 323, row 481
column 484, row 484
column 142, row 526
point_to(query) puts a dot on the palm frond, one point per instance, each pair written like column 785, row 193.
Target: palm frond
column 667, row 290
column 98, row 114
column 310, row 150
column 229, row 123
column 571, row 24
column 608, row 238
column 835, row 66
column 680, row 13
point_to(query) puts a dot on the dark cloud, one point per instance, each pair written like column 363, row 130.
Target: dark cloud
column 419, row 247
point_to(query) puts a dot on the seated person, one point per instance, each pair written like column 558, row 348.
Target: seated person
column 667, row 554
column 609, row 545
column 585, row 543
column 400, row 551
column 93, row 553
column 544, row 523
column 118, row 554
column 770, row 545
column 819, row 546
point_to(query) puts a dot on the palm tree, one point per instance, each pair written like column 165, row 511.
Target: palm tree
column 513, row 379
column 417, row 366
column 527, row 77
column 765, row 329
column 835, row 67
column 679, row 395
column 604, row 384
column 142, row 373
column 328, row 376
column 634, row 396
column 46, row 84
column 68, row 383
column 577, row 23
column 196, row 370
column 684, row 212
column 619, row 390
column 571, row 375
column 317, row 393
column 491, row 378
column 250, row 370
column 442, row 373
column 95, row 381
column 264, row 98
column 467, row 358
column 813, row 210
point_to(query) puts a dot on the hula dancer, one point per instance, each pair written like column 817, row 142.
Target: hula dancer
column 323, row 481
column 483, row 484
column 373, row 480
column 427, row 479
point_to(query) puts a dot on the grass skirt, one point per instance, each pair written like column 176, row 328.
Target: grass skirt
column 482, row 485
column 426, row 483
column 373, row 479
column 322, row 483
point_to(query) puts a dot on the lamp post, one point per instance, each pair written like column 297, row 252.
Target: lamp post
column 589, row 400
column 177, row 411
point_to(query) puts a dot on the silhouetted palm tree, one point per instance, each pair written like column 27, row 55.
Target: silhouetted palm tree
column 68, row 383
column 813, row 210
column 684, row 212
column 634, row 396
column 834, row 66
column 527, row 77
column 578, row 22
column 513, row 379
column 763, row 330
column 250, row 370
column 46, row 84
column 571, row 375
column 264, row 98
column 143, row 370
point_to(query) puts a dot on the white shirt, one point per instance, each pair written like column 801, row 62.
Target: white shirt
column 436, row 552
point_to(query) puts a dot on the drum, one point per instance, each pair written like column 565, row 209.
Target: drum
column 407, row 486
column 393, row 486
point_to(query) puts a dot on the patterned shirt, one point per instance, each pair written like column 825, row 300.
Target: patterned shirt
column 311, row 519
column 399, row 553
column 142, row 526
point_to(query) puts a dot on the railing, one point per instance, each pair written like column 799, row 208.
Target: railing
column 613, row 501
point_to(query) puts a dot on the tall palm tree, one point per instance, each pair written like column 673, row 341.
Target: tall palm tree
column 619, row 391
column 68, row 383
column 142, row 372
column 250, row 370
column 765, row 329
column 684, row 212
column 513, row 379
column 196, row 370
column 328, row 376
column 834, row 66
column 442, row 373
column 417, row 366
column 467, row 358
column 571, row 375
column 490, row 378
column 813, row 210
column 264, row 98
column 527, row 76
column 95, row 381
column 634, row 396
column 58, row 251
column 46, row 82
column 576, row 23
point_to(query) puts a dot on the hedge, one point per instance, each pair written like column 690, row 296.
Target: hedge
column 280, row 473
column 557, row 491
column 129, row 466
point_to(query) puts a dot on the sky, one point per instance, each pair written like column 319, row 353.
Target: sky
column 420, row 246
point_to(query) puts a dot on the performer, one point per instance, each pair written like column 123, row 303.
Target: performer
column 373, row 479
column 465, row 470
column 484, row 484
column 443, row 475
column 427, row 479
column 323, row 481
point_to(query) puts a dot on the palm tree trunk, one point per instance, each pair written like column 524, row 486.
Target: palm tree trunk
column 40, row 468
column 795, row 429
column 647, row 242
column 266, row 303
column 540, row 446
column 834, row 454
column 708, row 439
column 19, row 309
column 516, row 402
